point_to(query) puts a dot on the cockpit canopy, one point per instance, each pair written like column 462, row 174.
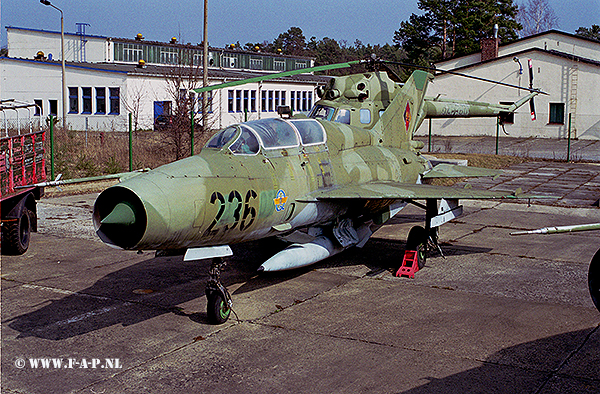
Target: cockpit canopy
column 273, row 133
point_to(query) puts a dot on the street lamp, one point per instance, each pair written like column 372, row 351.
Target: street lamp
column 62, row 56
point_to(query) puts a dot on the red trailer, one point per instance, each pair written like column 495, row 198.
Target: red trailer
column 22, row 165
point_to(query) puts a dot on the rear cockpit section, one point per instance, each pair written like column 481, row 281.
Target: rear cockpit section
column 268, row 134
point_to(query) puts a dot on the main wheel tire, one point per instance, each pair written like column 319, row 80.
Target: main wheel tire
column 594, row 279
column 417, row 240
column 17, row 234
column 217, row 309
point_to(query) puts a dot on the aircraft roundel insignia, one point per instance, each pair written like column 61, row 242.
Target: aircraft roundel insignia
column 407, row 116
column 280, row 200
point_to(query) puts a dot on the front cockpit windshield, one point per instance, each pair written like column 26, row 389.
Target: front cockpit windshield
column 246, row 144
column 220, row 139
column 322, row 112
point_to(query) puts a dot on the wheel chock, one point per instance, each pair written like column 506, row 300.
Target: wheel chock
column 410, row 264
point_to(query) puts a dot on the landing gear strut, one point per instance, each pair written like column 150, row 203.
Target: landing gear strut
column 219, row 302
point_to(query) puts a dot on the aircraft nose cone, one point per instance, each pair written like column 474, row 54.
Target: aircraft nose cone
column 121, row 214
column 120, row 217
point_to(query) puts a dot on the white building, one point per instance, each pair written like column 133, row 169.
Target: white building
column 565, row 66
column 106, row 79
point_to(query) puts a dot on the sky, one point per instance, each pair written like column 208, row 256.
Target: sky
column 230, row 21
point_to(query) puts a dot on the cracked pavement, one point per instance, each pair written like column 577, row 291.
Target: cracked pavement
column 497, row 314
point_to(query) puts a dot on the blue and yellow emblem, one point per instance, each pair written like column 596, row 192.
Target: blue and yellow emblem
column 280, row 200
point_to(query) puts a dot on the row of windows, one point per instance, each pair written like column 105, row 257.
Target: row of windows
column 245, row 100
column 556, row 116
column 96, row 95
column 165, row 54
column 52, row 107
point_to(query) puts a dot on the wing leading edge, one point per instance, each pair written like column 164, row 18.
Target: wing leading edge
column 405, row 191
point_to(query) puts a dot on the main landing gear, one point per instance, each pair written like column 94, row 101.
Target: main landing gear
column 219, row 302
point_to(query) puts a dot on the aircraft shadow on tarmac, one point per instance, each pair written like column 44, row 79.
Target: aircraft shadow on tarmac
column 159, row 285
column 564, row 363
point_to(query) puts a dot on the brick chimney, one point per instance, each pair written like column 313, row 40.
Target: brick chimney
column 489, row 48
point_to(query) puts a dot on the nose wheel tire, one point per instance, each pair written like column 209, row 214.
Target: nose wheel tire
column 217, row 309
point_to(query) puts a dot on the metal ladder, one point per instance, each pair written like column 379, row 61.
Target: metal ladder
column 573, row 98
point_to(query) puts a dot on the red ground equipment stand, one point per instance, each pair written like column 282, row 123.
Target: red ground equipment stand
column 410, row 264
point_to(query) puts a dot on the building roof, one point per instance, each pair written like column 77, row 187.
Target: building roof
column 161, row 43
column 533, row 37
column 55, row 32
column 162, row 71
column 553, row 31
column 529, row 50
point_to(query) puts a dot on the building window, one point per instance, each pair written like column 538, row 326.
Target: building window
column 209, row 106
column 100, row 101
column 300, row 64
column 168, row 55
column 53, row 107
column 298, row 101
column 230, row 61
column 304, row 102
column 264, row 101
column 270, row 101
column 182, row 95
column 39, row 107
column 293, row 100
column 86, row 95
column 115, row 101
column 230, row 101
column 256, row 64
column 238, row 101
column 132, row 52
column 197, row 59
column 253, row 100
column 309, row 101
column 557, row 113
column 73, row 100
column 246, row 100
column 279, row 65
column 507, row 117
column 276, row 99
column 283, row 93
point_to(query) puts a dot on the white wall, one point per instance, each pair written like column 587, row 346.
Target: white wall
column 30, row 80
column 25, row 44
column 552, row 74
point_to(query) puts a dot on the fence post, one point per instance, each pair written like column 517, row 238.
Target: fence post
column 192, row 132
column 497, row 132
column 429, row 143
column 130, row 142
column 52, row 147
column 569, row 140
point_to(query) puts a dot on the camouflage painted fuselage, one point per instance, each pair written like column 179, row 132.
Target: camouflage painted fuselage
column 217, row 197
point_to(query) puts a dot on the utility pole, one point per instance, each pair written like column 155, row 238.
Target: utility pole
column 62, row 57
column 205, row 67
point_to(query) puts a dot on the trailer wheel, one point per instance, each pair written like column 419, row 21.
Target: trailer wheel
column 17, row 234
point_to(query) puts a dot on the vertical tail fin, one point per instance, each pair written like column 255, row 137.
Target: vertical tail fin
column 398, row 123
